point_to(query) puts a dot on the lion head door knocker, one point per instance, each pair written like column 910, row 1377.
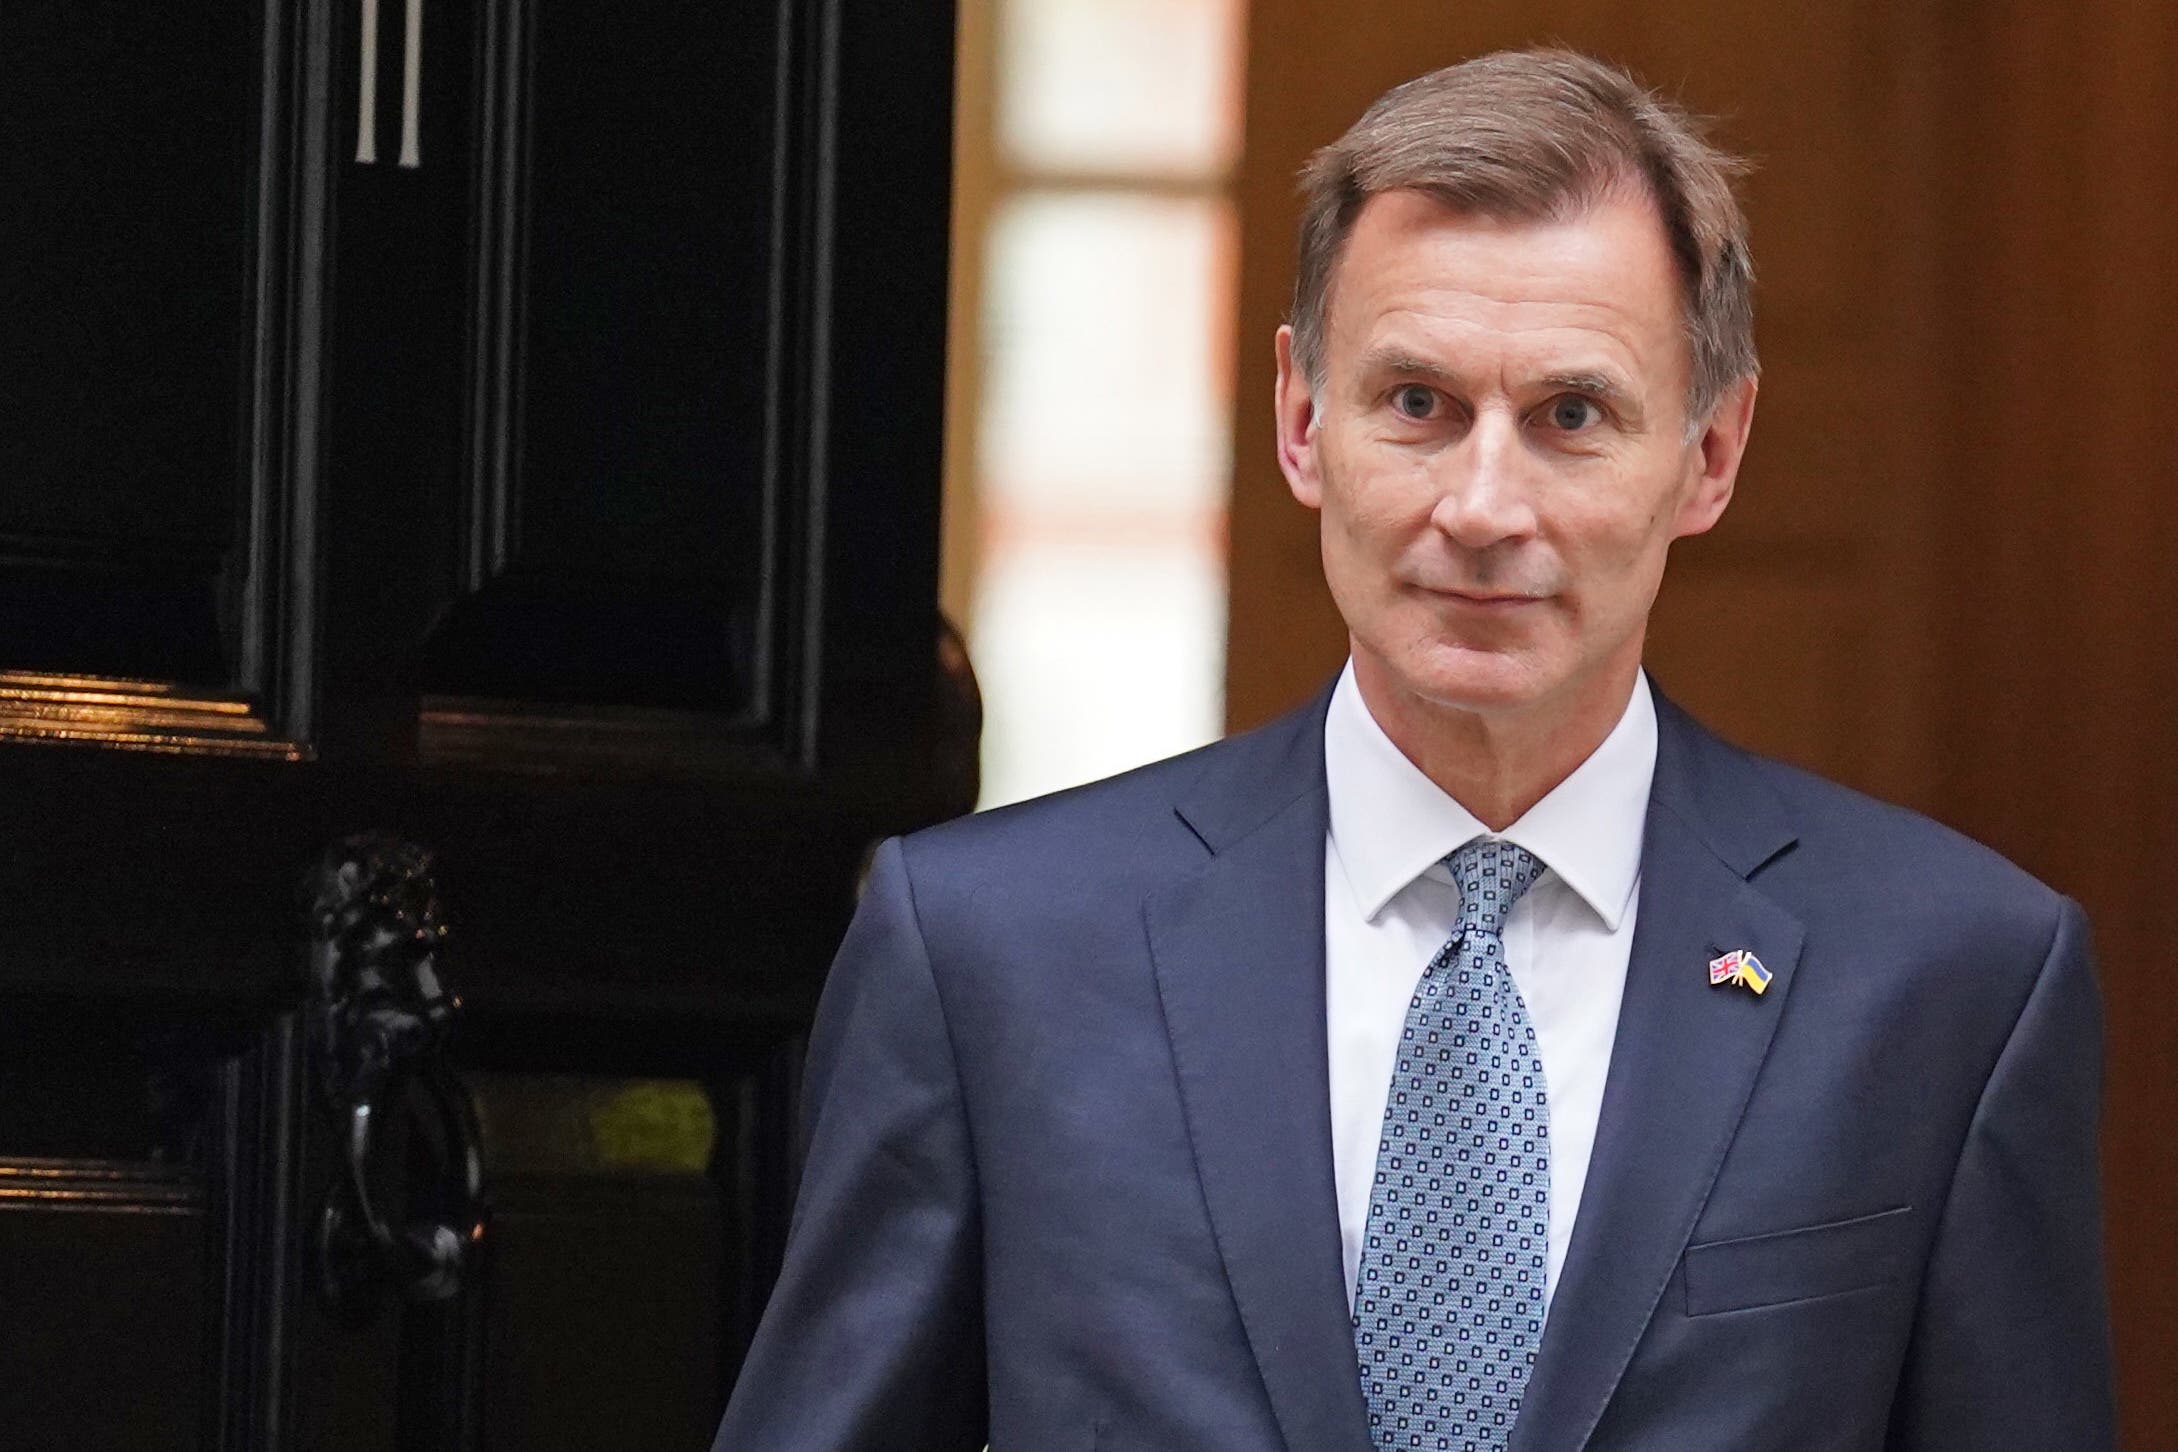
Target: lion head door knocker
column 379, row 1014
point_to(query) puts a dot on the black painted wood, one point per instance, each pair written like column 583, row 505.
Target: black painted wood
column 108, row 1280
column 604, row 1329
column 126, row 239
column 160, row 264
column 567, row 504
column 626, row 558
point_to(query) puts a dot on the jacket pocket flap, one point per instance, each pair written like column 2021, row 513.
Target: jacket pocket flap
column 1799, row 1265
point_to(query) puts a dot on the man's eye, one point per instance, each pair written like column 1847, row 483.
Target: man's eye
column 1415, row 401
column 1572, row 413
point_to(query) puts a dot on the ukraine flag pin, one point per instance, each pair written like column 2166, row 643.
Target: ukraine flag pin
column 1741, row 967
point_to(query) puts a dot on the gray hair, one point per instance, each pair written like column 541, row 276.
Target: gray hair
column 1531, row 135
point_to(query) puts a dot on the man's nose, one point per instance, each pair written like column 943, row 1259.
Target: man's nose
column 1485, row 492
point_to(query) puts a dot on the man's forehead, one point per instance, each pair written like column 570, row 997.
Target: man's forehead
column 1613, row 253
column 1593, row 290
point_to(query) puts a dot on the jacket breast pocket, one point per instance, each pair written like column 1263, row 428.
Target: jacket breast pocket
column 1799, row 1265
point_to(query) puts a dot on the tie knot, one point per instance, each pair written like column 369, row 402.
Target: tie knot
column 1491, row 876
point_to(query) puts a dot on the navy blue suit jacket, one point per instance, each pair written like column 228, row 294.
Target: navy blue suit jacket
column 1069, row 1188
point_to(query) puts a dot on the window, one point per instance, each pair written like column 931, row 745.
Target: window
column 1091, row 401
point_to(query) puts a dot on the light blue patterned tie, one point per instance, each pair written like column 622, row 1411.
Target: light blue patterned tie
column 1449, row 1307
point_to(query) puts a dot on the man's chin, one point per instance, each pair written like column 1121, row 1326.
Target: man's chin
column 1484, row 682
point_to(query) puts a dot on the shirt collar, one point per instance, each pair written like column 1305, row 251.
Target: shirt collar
column 1390, row 823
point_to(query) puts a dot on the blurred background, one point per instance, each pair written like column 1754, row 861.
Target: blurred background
column 1948, row 577
column 1089, row 403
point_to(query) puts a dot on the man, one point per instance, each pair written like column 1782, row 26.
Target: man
column 1483, row 1056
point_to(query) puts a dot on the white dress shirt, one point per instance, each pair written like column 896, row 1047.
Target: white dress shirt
column 1389, row 905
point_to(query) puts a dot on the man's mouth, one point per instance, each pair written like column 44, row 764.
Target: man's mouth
column 1487, row 599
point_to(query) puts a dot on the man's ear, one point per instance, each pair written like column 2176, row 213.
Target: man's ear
column 1723, row 443
column 1296, row 414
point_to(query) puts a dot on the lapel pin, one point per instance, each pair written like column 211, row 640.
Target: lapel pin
column 1741, row 967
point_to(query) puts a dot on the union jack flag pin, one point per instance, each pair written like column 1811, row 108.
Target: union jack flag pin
column 1741, row 967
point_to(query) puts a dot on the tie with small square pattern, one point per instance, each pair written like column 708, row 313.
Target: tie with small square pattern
column 1448, row 1310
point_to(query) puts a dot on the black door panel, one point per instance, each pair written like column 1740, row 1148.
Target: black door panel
column 525, row 446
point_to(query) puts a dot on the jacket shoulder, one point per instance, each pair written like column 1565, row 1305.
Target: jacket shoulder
column 1900, row 870
column 1124, row 834
column 1081, row 815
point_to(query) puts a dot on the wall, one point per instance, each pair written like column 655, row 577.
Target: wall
column 1948, row 577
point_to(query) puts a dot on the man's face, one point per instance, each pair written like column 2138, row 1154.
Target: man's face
column 1500, row 449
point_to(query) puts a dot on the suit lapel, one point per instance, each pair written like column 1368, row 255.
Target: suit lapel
column 1684, row 1060
column 1239, row 955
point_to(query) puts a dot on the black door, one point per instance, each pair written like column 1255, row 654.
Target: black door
column 468, row 518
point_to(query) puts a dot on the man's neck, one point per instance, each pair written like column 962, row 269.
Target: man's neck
column 1495, row 764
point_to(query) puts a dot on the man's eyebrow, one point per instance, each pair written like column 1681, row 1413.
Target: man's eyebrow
column 1600, row 385
column 1397, row 360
